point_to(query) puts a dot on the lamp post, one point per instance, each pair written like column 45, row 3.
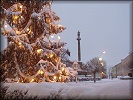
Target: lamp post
column 100, row 58
column 102, row 63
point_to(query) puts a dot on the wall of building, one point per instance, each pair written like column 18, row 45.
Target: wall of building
column 123, row 68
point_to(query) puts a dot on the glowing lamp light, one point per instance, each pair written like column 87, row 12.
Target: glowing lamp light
column 102, row 72
column 5, row 26
column 27, row 29
column 15, row 17
column 39, row 51
column 104, row 52
column 20, row 43
column 48, row 20
column 62, row 69
column 17, row 32
column 100, row 59
column 59, row 77
column 51, row 55
column 32, row 80
column 41, row 72
column 29, row 32
column 59, row 37
column 20, row 6
column 54, row 77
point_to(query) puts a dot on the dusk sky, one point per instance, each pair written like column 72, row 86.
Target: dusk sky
column 104, row 26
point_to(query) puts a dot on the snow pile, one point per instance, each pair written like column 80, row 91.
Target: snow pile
column 43, row 90
column 76, row 92
column 104, row 89
column 17, row 89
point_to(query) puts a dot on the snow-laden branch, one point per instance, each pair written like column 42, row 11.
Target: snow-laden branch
column 37, row 73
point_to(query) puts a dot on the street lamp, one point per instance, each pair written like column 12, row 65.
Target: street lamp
column 100, row 59
column 102, row 63
column 104, row 52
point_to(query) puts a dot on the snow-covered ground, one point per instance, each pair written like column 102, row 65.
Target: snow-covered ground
column 103, row 89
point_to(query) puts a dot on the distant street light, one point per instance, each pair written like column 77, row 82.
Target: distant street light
column 104, row 52
column 100, row 59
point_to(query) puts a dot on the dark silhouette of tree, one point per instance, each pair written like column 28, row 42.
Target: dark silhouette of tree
column 96, row 65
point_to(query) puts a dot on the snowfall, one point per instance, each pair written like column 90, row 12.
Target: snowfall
column 102, row 89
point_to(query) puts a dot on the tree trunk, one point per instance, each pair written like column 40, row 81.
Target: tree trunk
column 85, row 74
column 94, row 76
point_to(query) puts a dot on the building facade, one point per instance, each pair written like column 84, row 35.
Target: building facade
column 124, row 67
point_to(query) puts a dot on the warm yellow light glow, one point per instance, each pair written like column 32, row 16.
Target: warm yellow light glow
column 20, row 6
column 15, row 17
column 100, row 59
column 41, row 72
column 28, row 29
column 29, row 32
column 48, row 20
column 51, row 55
column 32, row 80
column 39, row 51
column 12, row 42
column 102, row 72
column 54, row 77
column 17, row 32
column 59, row 77
column 22, row 81
column 20, row 43
column 63, row 69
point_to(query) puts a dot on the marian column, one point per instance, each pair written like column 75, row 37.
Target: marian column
column 79, row 51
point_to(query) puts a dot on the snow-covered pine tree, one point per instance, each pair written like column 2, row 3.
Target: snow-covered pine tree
column 30, row 55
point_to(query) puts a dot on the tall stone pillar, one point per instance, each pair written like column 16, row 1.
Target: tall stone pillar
column 79, row 51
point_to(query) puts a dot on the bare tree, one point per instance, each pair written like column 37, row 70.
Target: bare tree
column 96, row 65
column 65, row 54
